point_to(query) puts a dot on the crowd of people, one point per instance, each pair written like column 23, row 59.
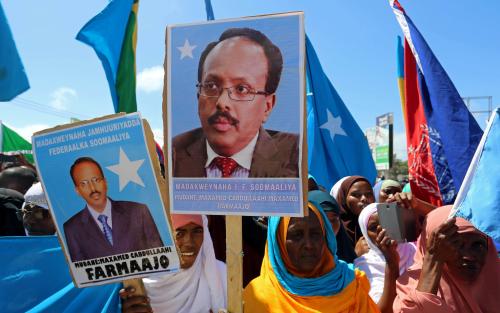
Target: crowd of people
column 337, row 258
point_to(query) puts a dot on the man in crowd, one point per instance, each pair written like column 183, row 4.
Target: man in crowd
column 19, row 178
column 35, row 213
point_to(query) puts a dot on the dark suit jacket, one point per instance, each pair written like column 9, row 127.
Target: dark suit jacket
column 276, row 154
column 133, row 230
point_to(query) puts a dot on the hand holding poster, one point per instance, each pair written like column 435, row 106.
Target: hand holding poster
column 105, row 200
column 235, row 115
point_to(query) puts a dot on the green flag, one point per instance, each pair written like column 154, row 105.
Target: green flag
column 113, row 35
column 12, row 143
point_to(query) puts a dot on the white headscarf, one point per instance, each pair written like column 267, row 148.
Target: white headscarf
column 194, row 290
column 335, row 189
column 373, row 262
column 36, row 195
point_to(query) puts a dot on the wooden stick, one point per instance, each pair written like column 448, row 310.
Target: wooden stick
column 137, row 284
column 234, row 261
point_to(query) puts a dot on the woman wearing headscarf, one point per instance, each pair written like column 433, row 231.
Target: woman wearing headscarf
column 353, row 194
column 456, row 269
column 345, row 250
column 301, row 271
column 385, row 261
column 388, row 189
column 199, row 286
column 376, row 190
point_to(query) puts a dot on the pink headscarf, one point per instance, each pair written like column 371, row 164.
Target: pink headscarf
column 179, row 220
column 453, row 295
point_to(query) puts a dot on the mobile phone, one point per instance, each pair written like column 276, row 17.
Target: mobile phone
column 400, row 223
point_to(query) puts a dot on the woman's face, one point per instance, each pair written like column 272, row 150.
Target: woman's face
column 189, row 239
column 387, row 193
column 305, row 242
column 334, row 219
column 471, row 256
column 371, row 227
column 359, row 196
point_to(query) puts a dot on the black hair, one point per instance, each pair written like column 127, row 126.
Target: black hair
column 272, row 52
column 83, row 160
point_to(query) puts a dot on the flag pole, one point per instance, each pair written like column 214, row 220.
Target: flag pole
column 473, row 165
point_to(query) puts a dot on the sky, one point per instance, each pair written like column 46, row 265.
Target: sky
column 355, row 42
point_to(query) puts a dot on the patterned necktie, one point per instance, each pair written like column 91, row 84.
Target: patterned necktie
column 226, row 165
column 107, row 230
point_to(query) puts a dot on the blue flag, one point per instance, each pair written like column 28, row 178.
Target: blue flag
column 210, row 11
column 113, row 35
column 13, row 79
column 479, row 198
column 452, row 130
column 337, row 147
column 34, row 277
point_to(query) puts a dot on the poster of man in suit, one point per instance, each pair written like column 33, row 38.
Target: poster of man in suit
column 104, row 196
column 235, row 115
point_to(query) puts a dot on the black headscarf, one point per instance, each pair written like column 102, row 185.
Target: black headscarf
column 10, row 202
column 349, row 219
column 345, row 249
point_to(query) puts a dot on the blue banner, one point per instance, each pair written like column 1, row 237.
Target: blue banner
column 35, row 278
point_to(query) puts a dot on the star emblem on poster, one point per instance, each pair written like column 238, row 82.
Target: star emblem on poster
column 127, row 170
column 186, row 50
column 333, row 125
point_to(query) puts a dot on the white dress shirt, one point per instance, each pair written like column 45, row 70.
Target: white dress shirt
column 107, row 212
column 243, row 158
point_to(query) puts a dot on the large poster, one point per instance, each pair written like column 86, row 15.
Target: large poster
column 105, row 200
column 235, row 94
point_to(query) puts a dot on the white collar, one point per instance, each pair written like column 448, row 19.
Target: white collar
column 107, row 210
column 242, row 157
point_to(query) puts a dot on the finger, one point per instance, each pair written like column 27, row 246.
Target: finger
column 448, row 227
column 450, row 231
column 445, row 225
column 126, row 292
column 402, row 200
column 382, row 234
column 135, row 300
column 391, row 198
column 408, row 196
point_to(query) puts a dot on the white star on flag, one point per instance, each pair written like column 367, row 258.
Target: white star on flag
column 127, row 170
column 186, row 50
column 333, row 125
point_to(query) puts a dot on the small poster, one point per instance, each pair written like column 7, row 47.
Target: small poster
column 105, row 199
column 234, row 102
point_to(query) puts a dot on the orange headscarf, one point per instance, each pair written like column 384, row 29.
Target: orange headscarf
column 324, row 266
column 453, row 295
column 266, row 294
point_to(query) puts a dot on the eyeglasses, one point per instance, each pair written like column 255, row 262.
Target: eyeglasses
column 32, row 209
column 94, row 180
column 239, row 92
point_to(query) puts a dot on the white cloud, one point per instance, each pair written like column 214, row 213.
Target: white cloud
column 61, row 97
column 150, row 79
column 27, row 131
column 399, row 146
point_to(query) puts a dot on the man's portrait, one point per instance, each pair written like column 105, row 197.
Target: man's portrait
column 234, row 113
column 237, row 80
column 105, row 226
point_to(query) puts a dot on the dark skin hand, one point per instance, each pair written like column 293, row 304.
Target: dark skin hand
column 408, row 201
column 388, row 247
column 361, row 247
column 442, row 247
column 132, row 303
